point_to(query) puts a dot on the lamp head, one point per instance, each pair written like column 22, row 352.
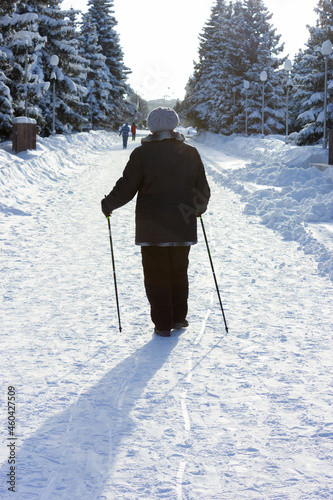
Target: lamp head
column 326, row 48
column 287, row 65
column 263, row 76
column 54, row 60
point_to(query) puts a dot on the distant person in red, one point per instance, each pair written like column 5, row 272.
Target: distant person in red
column 133, row 130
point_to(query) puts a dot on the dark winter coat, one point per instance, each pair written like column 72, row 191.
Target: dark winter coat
column 172, row 188
column 124, row 130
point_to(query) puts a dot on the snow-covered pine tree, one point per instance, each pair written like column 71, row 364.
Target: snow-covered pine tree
column 98, row 74
column 20, row 42
column 235, row 62
column 101, row 14
column 6, row 110
column 205, row 102
column 237, row 44
column 309, row 67
column 56, row 25
column 24, row 43
column 262, row 49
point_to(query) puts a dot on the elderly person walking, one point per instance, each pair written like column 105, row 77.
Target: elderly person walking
column 169, row 179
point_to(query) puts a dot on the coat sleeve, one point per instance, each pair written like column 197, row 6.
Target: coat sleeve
column 202, row 190
column 126, row 187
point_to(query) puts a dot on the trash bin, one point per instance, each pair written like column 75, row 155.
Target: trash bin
column 24, row 134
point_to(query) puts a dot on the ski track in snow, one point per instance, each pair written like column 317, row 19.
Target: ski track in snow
column 201, row 415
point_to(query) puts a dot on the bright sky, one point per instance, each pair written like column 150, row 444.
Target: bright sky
column 160, row 39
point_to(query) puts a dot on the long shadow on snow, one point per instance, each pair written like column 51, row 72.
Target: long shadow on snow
column 71, row 455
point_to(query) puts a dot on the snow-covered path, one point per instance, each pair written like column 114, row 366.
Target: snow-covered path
column 202, row 415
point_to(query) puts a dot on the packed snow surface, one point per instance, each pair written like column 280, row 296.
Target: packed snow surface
column 204, row 414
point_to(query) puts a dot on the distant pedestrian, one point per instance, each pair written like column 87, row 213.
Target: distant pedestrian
column 172, row 190
column 124, row 131
column 133, row 130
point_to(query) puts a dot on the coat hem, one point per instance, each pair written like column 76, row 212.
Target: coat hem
column 167, row 244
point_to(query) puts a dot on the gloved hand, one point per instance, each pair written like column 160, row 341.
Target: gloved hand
column 105, row 211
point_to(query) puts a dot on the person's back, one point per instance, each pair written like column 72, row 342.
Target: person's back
column 173, row 190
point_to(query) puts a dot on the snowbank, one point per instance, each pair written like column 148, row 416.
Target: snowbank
column 271, row 149
column 277, row 184
column 26, row 178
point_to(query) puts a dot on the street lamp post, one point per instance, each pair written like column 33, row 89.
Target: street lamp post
column 234, row 90
column 263, row 78
column 326, row 50
column 287, row 67
column 26, row 85
column 54, row 61
column 246, row 84
column 91, row 85
column 91, row 111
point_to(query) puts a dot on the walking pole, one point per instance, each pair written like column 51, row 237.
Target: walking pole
column 211, row 263
column 114, row 272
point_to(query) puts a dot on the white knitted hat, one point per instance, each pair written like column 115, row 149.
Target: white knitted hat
column 162, row 119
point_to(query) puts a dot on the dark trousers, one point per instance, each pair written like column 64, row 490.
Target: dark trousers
column 166, row 283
